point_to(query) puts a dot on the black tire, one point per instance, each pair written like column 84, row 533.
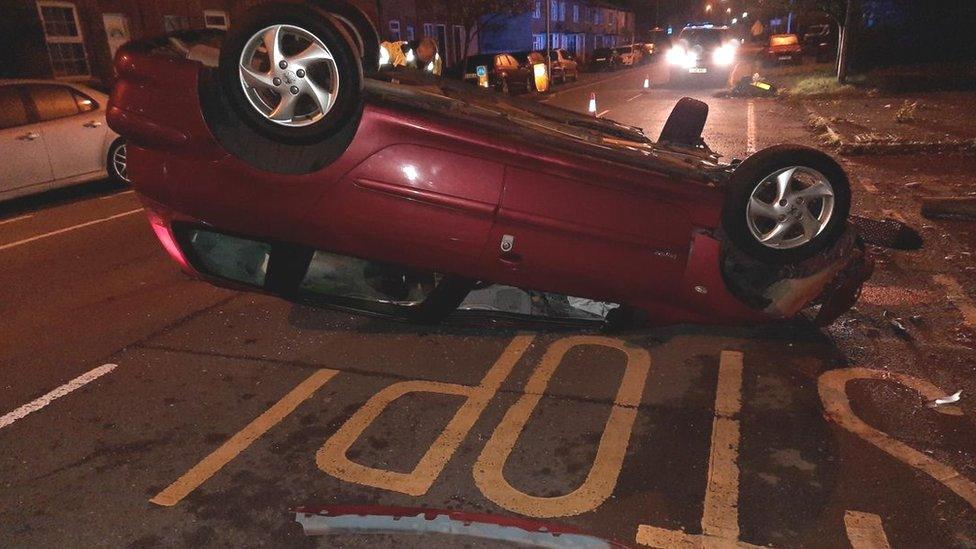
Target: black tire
column 348, row 97
column 360, row 27
column 117, row 171
column 752, row 171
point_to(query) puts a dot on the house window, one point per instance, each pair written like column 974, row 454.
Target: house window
column 553, row 9
column 562, row 11
column 173, row 23
column 429, row 30
column 65, row 43
column 575, row 13
column 537, row 14
column 538, row 42
column 395, row 30
column 458, row 38
column 215, row 19
column 411, row 34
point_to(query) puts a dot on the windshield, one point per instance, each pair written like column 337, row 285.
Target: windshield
column 783, row 40
column 706, row 38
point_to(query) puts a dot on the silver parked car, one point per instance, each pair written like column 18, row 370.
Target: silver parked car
column 53, row 134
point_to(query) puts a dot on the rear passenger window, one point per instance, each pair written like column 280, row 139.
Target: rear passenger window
column 13, row 112
column 53, row 102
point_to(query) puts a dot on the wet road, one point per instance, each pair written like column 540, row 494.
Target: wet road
column 138, row 408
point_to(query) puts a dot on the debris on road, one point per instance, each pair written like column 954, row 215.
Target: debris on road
column 753, row 86
column 953, row 207
column 897, row 324
column 907, row 112
column 946, row 400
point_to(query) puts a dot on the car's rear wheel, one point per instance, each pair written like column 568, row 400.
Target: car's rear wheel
column 786, row 204
column 116, row 162
column 292, row 72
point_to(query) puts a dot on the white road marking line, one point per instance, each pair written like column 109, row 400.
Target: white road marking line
column 720, row 516
column 67, row 229
column 750, row 127
column 957, row 296
column 13, row 219
column 61, row 391
column 635, row 97
column 602, row 113
column 116, row 195
column 868, row 186
column 583, row 85
column 865, row 531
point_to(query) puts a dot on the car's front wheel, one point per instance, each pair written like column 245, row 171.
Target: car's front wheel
column 116, row 162
column 786, row 204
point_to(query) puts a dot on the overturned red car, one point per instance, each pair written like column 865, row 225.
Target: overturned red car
column 298, row 166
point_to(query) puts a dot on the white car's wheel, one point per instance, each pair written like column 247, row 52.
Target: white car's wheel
column 117, row 162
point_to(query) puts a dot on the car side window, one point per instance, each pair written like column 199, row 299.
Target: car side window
column 53, row 101
column 85, row 103
column 13, row 111
column 499, row 61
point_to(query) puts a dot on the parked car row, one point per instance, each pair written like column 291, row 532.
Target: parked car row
column 520, row 71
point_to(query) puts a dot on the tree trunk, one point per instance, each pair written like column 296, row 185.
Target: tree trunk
column 844, row 39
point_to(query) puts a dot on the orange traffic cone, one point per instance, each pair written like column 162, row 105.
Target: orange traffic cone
column 592, row 106
column 647, row 83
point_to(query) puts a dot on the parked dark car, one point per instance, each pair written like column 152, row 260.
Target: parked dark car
column 784, row 48
column 605, row 59
column 820, row 41
column 504, row 72
column 702, row 51
column 297, row 169
column 564, row 66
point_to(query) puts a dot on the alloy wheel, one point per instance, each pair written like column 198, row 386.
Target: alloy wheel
column 289, row 75
column 790, row 207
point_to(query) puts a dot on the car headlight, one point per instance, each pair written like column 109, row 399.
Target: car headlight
column 724, row 56
column 676, row 55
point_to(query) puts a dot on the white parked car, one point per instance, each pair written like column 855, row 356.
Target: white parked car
column 53, row 134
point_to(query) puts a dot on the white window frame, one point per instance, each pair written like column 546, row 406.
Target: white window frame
column 538, row 42
column 429, row 31
column 216, row 13
column 395, row 30
column 80, row 39
column 411, row 33
column 537, row 14
column 458, row 36
column 576, row 13
column 562, row 11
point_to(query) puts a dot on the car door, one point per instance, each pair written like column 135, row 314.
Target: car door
column 25, row 161
column 74, row 129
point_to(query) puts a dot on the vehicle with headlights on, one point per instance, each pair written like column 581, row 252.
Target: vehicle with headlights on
column 299, row 168
column 703, row 52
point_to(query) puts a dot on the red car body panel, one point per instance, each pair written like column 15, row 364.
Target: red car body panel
column 433, row 193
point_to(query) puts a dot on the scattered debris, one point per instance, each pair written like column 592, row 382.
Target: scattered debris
column 897, row 324
column 913, row 184
column 907, row 112
column 946, row 400
column 953, row 207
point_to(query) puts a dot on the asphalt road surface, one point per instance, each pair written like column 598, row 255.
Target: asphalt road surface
column 141, row 409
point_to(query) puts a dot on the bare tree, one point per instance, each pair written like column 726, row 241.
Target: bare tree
column 478, row 16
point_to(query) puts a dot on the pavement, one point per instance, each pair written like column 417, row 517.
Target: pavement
column 139, row 408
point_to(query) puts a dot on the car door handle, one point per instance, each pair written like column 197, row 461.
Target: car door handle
column 32, row 136
column 93, row 124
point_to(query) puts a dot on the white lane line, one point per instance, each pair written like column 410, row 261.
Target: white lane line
column 67, row 229
column 116, row 195
column 720, row 515
column 957, row 296
column 602, row 113
column 13, row 219
column 585, row 84
column 750, row 127
column 865, row 531
column 868, row 186
column 61, row 391
column 634, row 97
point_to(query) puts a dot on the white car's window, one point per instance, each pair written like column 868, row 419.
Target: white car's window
column 53, row 101
column 85, row 103
column 13, row 112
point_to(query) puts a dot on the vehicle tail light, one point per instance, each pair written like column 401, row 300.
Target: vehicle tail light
column 164, row 233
